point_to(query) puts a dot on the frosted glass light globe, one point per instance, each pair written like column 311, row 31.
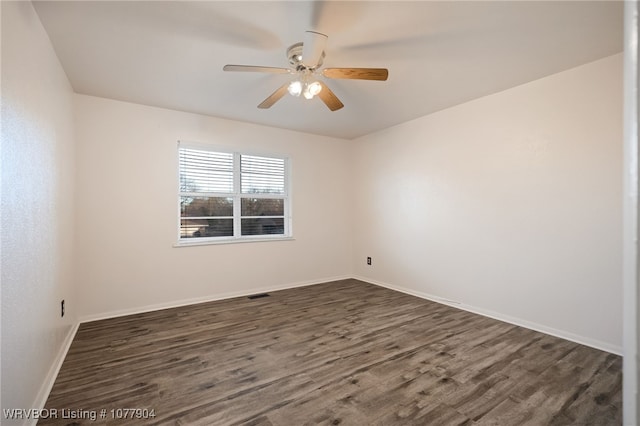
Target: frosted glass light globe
column 295, row 88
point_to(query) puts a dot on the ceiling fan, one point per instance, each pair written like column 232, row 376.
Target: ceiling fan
column 306, row 59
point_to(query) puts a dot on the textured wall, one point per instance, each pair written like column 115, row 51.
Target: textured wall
column 509, row 204
column 37, row 207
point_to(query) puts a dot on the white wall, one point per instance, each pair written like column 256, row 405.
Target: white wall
column 127, row 211
column 509, row 205
column 37, row 208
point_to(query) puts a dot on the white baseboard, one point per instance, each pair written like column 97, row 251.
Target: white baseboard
column 209, row 298
column 47, row 385
column 583, row 340
column 45, row 389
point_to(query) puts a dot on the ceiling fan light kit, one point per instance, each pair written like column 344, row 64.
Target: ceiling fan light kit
column 305, row 59
column 305, row 86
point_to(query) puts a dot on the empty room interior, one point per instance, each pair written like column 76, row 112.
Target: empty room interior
column 312, row 212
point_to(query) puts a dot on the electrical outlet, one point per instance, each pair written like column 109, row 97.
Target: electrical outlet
column 368, row 261
column 62, row 308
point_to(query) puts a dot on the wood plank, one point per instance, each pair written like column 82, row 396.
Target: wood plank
column 343, row 352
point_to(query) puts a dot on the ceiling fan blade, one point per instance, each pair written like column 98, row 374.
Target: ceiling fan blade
column 329, row 98
column 253, row 68
column 274, row 97
column 312, row 48
column 380, row 74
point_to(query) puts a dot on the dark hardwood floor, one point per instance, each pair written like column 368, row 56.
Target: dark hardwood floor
column 344, row 352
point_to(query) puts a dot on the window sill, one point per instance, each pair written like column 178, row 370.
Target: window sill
column 229, row 241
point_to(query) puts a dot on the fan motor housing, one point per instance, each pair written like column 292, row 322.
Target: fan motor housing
column 294, row 55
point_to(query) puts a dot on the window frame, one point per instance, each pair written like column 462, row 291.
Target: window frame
column 237, row 195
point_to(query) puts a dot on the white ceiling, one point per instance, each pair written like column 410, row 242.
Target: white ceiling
column 439, row 54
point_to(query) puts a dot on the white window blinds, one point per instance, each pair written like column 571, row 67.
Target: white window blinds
column 262, row 175
column 205, row 171
column 226, row 196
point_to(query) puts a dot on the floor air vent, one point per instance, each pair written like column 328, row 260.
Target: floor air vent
column 258, row 296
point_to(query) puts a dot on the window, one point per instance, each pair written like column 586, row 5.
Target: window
column 232, row 196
